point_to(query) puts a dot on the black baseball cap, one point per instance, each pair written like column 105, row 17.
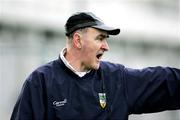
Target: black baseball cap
column 87, row 19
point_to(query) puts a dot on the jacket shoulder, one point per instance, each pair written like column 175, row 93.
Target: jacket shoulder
column 109, row 66
column 45, row 71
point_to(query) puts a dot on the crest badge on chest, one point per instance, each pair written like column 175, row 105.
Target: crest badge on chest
column 102, row 99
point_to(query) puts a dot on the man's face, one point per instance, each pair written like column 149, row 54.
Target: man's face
column 94, row 44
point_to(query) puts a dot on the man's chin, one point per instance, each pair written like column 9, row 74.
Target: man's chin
column 96, row 67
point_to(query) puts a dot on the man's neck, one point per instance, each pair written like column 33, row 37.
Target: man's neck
column 73, row 58
column 71, row 62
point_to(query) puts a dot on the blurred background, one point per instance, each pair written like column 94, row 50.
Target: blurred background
column 32, row 33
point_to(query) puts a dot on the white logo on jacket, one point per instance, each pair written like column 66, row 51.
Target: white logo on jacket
column 60, row 103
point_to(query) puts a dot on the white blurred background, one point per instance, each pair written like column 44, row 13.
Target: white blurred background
column 32, row 33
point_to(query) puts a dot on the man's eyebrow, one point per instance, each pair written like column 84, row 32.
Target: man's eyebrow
column 103, row 36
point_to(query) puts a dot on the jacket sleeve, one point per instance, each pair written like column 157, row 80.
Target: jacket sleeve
column 30, row 104
column 152, row 89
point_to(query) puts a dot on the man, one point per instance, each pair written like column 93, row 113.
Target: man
column 78, row 85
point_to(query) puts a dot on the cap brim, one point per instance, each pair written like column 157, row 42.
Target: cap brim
column 109, row 30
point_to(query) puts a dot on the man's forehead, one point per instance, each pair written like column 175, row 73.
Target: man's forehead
column 99, row 32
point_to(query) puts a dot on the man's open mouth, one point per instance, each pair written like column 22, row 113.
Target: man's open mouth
column 99, row 56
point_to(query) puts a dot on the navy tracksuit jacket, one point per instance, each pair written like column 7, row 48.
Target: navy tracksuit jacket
column 53, row 92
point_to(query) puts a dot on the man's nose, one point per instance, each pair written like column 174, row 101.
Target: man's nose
column 105, row 45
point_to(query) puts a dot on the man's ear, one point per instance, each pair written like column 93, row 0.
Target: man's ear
column 77, row 40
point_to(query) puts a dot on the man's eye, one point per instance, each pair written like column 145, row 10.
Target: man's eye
column 101, row 38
